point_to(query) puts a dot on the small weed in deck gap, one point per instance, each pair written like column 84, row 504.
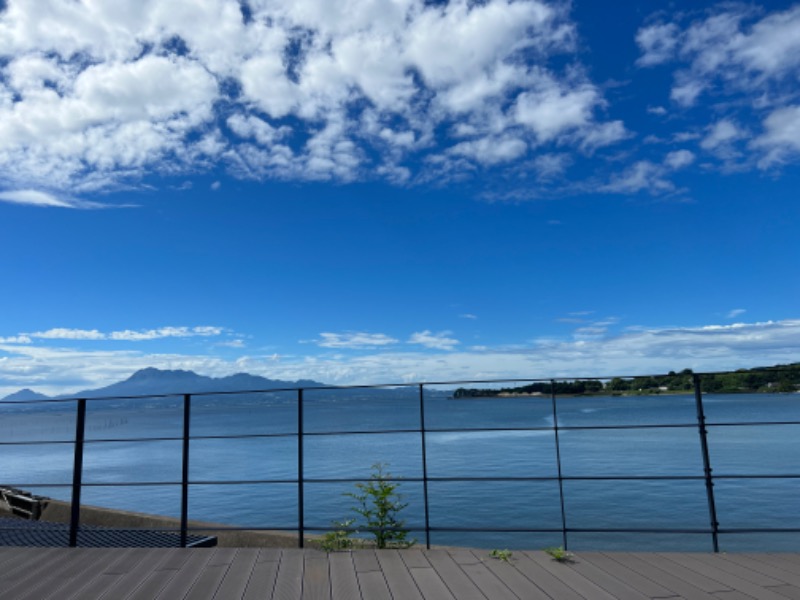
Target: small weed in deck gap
column 559, row 554
column 503, row 555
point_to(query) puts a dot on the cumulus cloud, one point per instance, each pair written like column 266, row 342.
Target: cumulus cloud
column 96, row 96
column 734, row 47
column 643, row 350
column 438, row 341
column 354, row 340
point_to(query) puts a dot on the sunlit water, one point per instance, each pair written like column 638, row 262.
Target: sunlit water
column 589, row 504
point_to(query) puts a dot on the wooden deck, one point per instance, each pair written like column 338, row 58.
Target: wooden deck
column 250, row 573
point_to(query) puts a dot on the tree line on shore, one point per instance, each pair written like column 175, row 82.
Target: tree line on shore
column 780, row 378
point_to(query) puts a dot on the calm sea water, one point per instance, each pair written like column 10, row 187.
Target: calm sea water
column 112, row 455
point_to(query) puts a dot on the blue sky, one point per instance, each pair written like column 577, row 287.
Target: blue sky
column 387, row 191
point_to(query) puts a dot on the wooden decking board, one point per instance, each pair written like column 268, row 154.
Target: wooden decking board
column 663, row 577
column 488, row 583
column 205, row 586
column 571, row 577
column 121, row 584
column 62, row 577
column 36, row 575
column 453, row 576
column 689, row 569
column 515, row 580
column 621, row 572
column 186, row 577
column 401, row 583
column 373, row 586
column 261, row 584
column 549, row 584
column 94, row 586
column 615, row 587
column 83, row 575
column 289, row 582
column 234, row 583
column 251, row 574
column 344, row 584
column 365, row 561
column 415, row 559
column 467, row 557
column 430, row 584
column 316, row 578
column 710, row 570
column 152, row 585
column 787, row 591
column 768, row 568
column 746, row 570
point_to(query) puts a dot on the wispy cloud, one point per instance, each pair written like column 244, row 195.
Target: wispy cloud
column 354, row 340
column 438, row 341
column 47, row 199
column 636, row 351
column 128, row 335
column 469, row 316
column 736, row 312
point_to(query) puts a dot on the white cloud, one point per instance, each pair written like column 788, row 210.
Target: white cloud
column 99, row 95
column 679, row 159
column 16, row 339
column 61, row 333
column 721, row 134
column 735, row 47
column 469, row 316
column 657, row 43
column 781, row 137
column 736, row 312
column 45, row 199
column 640, row 351
column 642, row 176
column 354, row 340
column 438, row 341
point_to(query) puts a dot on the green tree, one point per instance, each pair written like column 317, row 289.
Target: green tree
column 380, row 506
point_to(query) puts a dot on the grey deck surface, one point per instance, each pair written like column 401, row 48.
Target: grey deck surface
column 267, row 573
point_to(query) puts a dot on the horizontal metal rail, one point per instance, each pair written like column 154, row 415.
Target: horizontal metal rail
column 301, row 432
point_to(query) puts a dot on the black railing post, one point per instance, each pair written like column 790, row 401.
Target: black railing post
column 77, row 473
column 558, row 464
column 300, row 476
column 701, row 427
column 187, row 417
column 424, row 466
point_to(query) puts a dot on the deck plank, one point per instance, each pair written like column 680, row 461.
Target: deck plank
column 613, row 585
column 401, row 583
column 295, row 574
column 663, row 576
column 289, row 582
column 261, row 584
column 453, row 576
column 549, row 583
column 515, row 580
column 571, row 577
column 344, row 584
column 234, row 583
column 316, row 578
column 430, row 584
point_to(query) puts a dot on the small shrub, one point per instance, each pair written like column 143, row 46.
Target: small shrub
column 340, row 538
column 380, row 505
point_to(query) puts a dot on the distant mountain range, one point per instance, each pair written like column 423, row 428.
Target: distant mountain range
column 152, row 381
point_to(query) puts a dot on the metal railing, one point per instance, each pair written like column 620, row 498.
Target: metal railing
column 302, row 527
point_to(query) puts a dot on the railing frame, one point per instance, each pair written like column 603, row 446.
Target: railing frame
column 302, row 527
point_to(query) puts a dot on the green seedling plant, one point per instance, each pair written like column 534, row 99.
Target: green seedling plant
column 340, row 538
column 559, row 554
column 379, row 504
column 503, row 555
